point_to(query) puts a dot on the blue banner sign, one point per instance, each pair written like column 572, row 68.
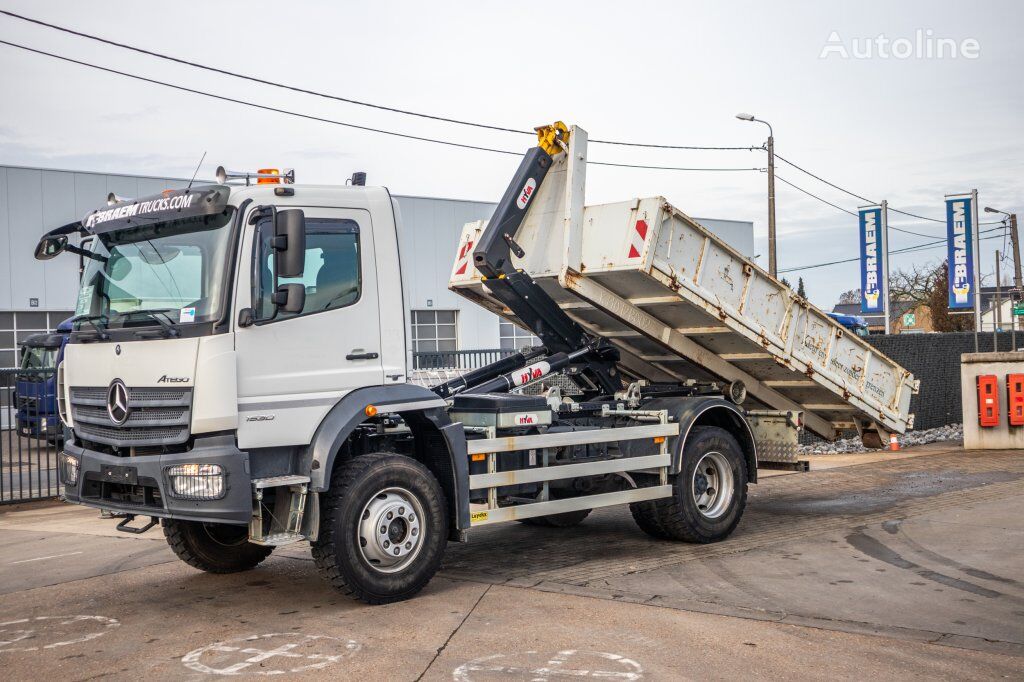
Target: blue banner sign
column 960, row 245
column 872, row 261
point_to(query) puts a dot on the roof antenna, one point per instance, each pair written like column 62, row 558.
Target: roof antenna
column 196, row 173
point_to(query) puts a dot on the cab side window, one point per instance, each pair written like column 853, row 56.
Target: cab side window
column 331, row 275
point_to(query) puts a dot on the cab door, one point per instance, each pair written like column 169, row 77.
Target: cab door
column 293, row 367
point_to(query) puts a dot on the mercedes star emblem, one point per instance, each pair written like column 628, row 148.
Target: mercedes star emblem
column 117, row 402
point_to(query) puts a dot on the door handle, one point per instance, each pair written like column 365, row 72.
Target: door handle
column 362, row 356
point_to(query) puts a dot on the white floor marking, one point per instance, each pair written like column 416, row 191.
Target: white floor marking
column 294, row 652
column 43, row 558
column 42, row 632
column 537, row 667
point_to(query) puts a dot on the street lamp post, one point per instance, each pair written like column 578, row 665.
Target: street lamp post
column 771, row 191
column 1018, row 288
column 1014, row 245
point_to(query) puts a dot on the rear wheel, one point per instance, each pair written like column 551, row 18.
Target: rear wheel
column 708, row 495
column 383, row 528
column 214, row 547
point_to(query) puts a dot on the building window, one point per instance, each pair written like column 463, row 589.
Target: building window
column 514, row 337
column 434, row 330
column 15, row 327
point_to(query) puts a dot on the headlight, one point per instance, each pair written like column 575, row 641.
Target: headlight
column 68, row 469
column 197, row 481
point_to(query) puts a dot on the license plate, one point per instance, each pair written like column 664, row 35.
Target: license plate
column 120, row 474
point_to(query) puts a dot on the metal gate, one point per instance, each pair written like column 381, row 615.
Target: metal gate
column 30, row 435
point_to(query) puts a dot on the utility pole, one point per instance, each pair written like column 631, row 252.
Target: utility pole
column 1015, row 245
column 997, row 317
column 1017, row 295
column 772, row 264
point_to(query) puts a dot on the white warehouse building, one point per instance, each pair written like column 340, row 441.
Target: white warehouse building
column 35, row 296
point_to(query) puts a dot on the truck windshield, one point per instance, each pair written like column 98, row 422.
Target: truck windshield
column 174, row 270
column 38, row 358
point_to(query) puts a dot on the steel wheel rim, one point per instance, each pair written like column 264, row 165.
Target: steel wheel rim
column 390, row 530
column 712, row 485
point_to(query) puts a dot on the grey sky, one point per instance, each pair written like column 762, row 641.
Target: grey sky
column 907, row 130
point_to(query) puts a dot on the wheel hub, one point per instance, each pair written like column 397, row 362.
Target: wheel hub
column 712, row 487
column 390, row 531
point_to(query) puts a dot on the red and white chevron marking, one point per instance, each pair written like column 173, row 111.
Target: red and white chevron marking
column 462, row 261
column 637, row 239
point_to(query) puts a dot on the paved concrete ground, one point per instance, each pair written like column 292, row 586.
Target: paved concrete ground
column 905, row 567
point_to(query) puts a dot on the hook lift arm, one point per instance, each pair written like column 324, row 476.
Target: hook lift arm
column 592, row 358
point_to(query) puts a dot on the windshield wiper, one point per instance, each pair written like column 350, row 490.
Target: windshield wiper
column 97, row 322
column 168, row 326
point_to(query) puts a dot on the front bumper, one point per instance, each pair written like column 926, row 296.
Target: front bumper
column 140, row 485
column 31, row 425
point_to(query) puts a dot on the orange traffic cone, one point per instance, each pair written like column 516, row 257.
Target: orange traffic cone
column 894, row 443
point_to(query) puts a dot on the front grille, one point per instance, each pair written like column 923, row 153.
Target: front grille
column 141, row 416
column 26, row 403
column 156, row 416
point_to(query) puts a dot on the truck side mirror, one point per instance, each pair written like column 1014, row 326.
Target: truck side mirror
column 51, row 246
column 290, row 242
column 291, row 298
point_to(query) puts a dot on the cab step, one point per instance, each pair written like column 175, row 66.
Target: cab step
column 278, row 539
column 278, row 481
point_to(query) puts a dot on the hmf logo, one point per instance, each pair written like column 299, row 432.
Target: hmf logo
column 871, row 288
column 526, row 193
column 532, row 373
column 526, row 419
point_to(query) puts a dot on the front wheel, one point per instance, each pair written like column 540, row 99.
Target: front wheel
column 214, row 547
column 708, row 495
column 383, row 528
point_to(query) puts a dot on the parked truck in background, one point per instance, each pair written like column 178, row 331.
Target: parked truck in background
column 855, row 323
column 35, row 386
column 238, row 372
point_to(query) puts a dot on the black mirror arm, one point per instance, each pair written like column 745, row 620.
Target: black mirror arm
column 71, row 248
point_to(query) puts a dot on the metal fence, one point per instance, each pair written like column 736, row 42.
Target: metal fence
column 30, row 435
column 458, row 359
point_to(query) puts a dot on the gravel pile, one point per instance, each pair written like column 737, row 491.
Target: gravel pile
column 853, row 445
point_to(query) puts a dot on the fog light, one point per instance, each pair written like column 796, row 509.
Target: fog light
column 197, row 481
column 69, row 469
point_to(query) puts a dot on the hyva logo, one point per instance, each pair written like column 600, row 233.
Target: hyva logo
column 923, row 45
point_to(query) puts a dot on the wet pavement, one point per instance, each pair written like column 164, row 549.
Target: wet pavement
column 886, row 568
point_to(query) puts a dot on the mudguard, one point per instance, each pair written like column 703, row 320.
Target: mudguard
column 412, row 402
column 709, row 410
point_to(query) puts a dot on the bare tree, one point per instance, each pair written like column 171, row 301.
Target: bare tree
column 938, row 305
column 851, row 296
column 914, row 283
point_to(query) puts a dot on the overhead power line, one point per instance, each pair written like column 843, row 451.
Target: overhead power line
column 339, row 98
column 847, row 211
column 863, row 198
column 908, row 249
column 322, row 119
